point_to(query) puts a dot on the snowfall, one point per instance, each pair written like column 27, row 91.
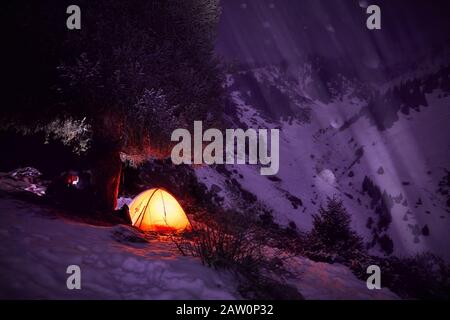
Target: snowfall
column 120, row 262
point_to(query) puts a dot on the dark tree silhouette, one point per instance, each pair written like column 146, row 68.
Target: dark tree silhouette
column 116, row 88
column 331, row 229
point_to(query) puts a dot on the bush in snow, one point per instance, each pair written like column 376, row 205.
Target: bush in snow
column 234, row 243
column 225, row 242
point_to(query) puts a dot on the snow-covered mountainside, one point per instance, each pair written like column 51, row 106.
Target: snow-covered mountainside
column 383, row 148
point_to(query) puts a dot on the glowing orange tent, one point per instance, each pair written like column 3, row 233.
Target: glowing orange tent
column 157, row 210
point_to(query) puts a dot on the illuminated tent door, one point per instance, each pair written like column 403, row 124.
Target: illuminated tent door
column 157, row 210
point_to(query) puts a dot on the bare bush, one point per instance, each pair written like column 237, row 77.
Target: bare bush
column 236, row 244
column 218, row 248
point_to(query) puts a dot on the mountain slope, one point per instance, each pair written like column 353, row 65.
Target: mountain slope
column 382, row 148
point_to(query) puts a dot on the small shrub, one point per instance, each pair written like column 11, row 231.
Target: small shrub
column 235, row 243
column 426, row 231
column 219, row 249
column 386, row 244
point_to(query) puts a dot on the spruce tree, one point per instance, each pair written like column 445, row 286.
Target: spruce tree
column 332, row 231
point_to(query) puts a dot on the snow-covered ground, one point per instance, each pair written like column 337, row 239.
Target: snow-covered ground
column 332, row 281
column 37, row 247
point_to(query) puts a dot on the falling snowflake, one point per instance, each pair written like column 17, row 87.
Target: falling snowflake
column 363, row 3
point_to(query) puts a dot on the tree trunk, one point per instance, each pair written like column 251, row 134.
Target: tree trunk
column 107, row 168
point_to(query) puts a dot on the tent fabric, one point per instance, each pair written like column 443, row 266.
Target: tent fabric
column 157, row 210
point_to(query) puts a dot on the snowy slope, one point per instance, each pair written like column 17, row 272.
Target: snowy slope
column 37, row 247
column 386, row 170
column 322, row 281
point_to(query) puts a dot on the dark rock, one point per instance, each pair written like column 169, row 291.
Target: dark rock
column 124, row 215
column 215, row 188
